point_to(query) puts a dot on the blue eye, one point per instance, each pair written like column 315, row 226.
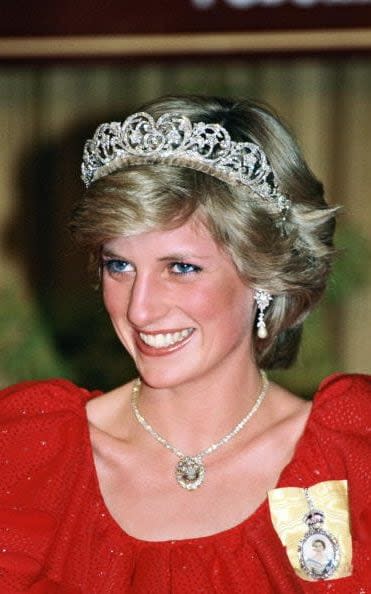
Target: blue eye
column 184, row 268
column 117, row 266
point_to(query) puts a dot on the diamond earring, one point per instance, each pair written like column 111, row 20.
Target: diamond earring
column 262, row 298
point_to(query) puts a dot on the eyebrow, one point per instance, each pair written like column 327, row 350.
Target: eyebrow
column 182, row 256
column 109, row 254
column 168, row 258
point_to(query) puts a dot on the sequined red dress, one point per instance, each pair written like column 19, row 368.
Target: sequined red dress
column 57, row 536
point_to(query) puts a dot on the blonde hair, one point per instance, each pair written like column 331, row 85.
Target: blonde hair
column 294, row 266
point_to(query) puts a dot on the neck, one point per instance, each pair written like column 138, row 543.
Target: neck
column 195, row 414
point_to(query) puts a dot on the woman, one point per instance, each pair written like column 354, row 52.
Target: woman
column 319, row 561
column 213, row 242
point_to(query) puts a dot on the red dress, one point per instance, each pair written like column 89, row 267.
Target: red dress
column 57, row 536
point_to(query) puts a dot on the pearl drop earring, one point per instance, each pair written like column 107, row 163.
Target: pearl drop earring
column 262, row 298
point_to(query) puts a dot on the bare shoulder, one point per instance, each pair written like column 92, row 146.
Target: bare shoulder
column 286, row 403
column 108, row 412
column 288, row 414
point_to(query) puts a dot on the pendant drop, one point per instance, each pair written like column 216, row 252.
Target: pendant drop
column 319, row 551
column 190, row 473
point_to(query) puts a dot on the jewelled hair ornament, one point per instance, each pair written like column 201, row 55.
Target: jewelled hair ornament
column 175, row 140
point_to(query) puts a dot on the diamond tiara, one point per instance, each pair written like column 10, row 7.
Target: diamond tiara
column 175, row 140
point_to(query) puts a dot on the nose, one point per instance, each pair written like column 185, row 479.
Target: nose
column 148, row 300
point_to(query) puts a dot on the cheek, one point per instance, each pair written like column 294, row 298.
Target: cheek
column 114, row 298
column 225, row 302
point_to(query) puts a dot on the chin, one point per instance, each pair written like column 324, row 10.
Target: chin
column 160, row 377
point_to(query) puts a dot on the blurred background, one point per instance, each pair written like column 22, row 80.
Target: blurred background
column 52, row 322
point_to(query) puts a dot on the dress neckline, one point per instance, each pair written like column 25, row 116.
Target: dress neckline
column 255, row 517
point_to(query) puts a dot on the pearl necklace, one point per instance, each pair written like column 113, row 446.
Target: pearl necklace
column 190, row 470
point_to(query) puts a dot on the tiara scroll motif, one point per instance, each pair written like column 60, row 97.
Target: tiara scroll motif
column 174, row 139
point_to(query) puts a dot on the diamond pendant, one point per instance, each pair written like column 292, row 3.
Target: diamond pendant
column 319, row 551
column 190, row 473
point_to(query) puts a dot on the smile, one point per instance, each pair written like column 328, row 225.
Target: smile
column 168, row 339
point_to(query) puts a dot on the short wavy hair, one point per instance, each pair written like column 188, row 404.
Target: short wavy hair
column 293, row 267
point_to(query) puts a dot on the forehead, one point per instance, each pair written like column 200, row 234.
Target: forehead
column 192, row 237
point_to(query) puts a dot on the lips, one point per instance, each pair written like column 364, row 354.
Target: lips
column 163, row 342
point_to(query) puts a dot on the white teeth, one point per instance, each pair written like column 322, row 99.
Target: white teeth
column 160, row 341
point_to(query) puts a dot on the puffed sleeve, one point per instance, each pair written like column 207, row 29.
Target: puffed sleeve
column 40, row 424
column 343, row 432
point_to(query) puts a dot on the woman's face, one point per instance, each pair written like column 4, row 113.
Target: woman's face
column 177, row 304
column 318, row 546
